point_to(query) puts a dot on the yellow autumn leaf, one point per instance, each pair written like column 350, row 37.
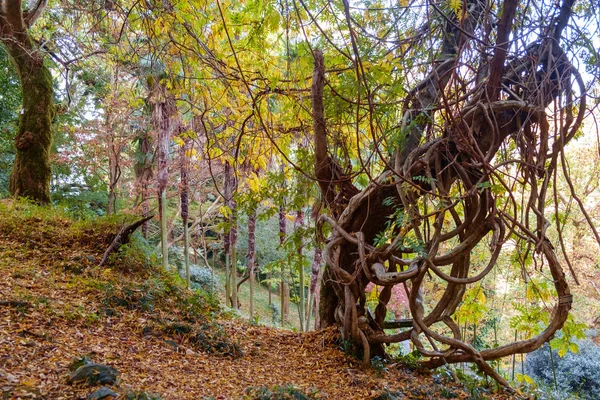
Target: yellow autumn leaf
column 225, row 211
column 178, row 141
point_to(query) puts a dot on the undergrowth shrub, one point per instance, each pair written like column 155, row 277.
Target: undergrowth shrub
column 135, row 257
column 576, row 373
column 202, row 278
column 275, row 313
column 81, row 204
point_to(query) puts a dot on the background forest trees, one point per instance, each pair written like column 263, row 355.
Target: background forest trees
column 419, row 144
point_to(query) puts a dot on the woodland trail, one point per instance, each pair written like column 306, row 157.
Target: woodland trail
column 62, row 315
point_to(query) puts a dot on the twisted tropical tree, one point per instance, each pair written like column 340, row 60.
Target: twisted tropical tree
column 472, row 163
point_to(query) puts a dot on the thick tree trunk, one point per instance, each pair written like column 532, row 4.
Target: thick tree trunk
column 31, row 173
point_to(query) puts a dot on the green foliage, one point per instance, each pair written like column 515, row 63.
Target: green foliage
column 80, row 204
column 411, row 360
column 473, row 307
column 570, row 334
column 10, row 102
column 476, row 385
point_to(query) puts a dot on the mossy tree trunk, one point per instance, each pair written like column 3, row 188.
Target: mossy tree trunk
column 31, row 171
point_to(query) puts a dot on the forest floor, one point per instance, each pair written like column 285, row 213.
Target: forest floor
column 57, row 305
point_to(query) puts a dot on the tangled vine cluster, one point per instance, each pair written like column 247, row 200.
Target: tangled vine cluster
column 478, row 166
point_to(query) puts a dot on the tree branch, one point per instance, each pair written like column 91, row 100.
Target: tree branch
column 497, row 64
column 31, row 16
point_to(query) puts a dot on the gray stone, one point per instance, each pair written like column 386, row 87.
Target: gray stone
column 94, row 374
column 102, row 393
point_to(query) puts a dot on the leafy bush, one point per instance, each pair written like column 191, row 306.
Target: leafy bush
column 202, row 278
column 577, row 373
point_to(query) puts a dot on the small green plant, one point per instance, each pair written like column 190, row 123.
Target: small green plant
column 447, row 393
column 410, row 360
column 378, row 364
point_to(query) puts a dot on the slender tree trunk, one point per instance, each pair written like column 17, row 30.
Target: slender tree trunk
column 183, row 156
column 143, row 172
column 230, row 188
column 114, row 169
column 31, row 174
column 162, row 113
column 233, row 233
column 283, row 285
column 314, row 284
column 251, row 257
column 299, row 222
column 114, row 151
column 227, row 234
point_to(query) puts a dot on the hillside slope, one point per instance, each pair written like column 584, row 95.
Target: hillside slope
column 57, row 306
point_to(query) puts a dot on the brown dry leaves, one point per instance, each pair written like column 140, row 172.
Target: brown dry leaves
column 62, row 322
